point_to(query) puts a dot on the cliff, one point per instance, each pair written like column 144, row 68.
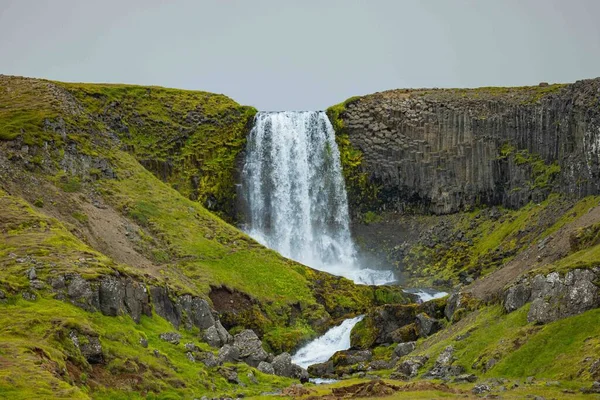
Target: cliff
column 446, row 150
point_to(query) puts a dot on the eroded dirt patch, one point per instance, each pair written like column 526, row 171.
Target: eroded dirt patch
column 225, row 299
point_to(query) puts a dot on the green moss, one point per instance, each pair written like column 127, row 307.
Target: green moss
column 26, row 104
column 362, row 194
column 81, row 217
column 71, row 184
column 190, row 139
column 364, row 334
column 36, row 338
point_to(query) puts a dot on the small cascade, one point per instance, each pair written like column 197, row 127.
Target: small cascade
column 295, row 196
column 322, row 348
column 425, row 295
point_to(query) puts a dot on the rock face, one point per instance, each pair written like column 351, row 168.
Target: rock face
column 445, row 150
column 554, row 296
column 113, row 295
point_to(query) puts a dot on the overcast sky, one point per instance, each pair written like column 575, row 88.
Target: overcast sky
column 287, row 55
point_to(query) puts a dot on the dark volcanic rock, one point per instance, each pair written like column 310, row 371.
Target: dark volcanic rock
column 403, row 349
column 283, row 366
column 228, row 353
column 351, row 357
column 440, row 151
column 426, row 325
column 266, row 368
column 164, row 306
column 516, row 296
column 322, row 370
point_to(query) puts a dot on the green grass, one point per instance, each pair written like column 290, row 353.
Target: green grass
column 214, row 252
column 26, row 104
column 28, row 232
column 35, row 343
column 190, row 139
column 555, row 351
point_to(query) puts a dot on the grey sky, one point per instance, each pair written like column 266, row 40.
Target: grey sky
column 280, row 54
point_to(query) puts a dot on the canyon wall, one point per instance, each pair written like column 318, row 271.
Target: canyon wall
column 445, row 150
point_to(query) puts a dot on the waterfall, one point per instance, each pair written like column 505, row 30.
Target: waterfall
column 295, row 197
column 322, row 348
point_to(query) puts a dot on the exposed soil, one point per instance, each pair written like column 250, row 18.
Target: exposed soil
column 540, row 254
column 229, row 300
column 108, row 232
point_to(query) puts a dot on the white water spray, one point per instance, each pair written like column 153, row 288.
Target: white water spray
column 321, row 349
column 296, row 198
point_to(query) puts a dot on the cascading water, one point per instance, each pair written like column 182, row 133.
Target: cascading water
column 321, row 349
column 295, row 195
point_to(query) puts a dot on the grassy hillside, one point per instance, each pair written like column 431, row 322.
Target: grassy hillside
column 75, row 199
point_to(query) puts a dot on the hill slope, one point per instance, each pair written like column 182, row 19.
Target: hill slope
column 96, row 249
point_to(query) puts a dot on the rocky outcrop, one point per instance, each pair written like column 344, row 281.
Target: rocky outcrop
column 445, row 150
column 409, row 368
column 247, row 348
column 397, row 323
column 555, row 296
column 443, row 367
column 115, row 295
column 89, row 345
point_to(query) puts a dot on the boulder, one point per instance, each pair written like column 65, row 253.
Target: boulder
column 164, row 306
column 480, row 389
column 228, row 353
column 250, row 348
column 410, row 366
column 196, row 312
column 207, row 358
column 283, row 366
column 443, row 368
column 217, row 335
column 452, row 305
column 80, row 293
column 555, row 297
column 351, row 357
column 171, row 337
column 322, row 370
column 426, row 325
column 31, row 274
column 266, row 368
column 403, row 349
